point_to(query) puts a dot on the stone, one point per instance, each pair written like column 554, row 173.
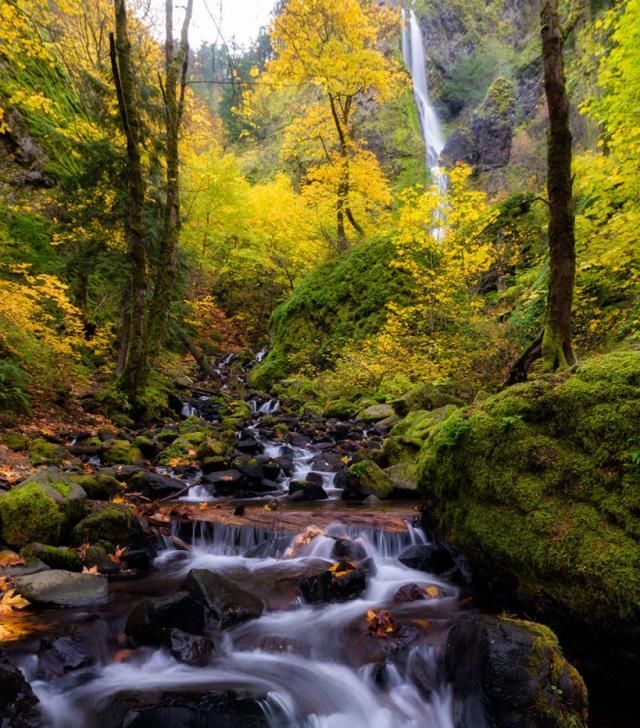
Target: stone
column 18, row 704
column 430, row 557
column 404, row 477
column 425, row 397
column 153, row 619
column 210, row 709
column 62, row 588
column 122, row 452
column 62, row 653
column 42, row 452
column 511, row 674
column 154, row 485
column 97, row 486
column 366, row 478
column 53, row 556
column 375, row 413
column 460, row 147
column 340, row 583
column 112, row 523
column 227, row 603
column 189, row 648
column 306, row 491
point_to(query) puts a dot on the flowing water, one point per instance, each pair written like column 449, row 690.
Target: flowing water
column 307, row 665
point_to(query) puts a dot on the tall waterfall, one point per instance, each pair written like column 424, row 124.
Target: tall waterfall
column 413, row 53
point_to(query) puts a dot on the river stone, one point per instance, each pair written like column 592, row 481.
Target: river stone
column 18, row 704
column 155, row 485
column 430, row 557
column 228, row 603
column 151, row 621
column 366, row 478
column 213, row 709
column 191, row 649
column 62, row 588
column 339, row 583
column 305, row 490
column 511, row 674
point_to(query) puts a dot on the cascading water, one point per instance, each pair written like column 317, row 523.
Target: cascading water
column 304, row 665
column 413, row 53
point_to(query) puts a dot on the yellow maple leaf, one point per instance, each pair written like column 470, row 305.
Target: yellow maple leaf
column 92, row 570
column 11, row 601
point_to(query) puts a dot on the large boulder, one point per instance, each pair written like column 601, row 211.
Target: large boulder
column 425, row 397
column 511, row 674
column 110, row 523
column 227, row 603
column 152, row 620
column 42, row 508
column 59, row 588
column 375, row 413
column 539, row 486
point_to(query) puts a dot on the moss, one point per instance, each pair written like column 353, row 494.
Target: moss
column 29, row 514
column 416, row 426
column 15, row 441
column 340, row 302
column 42, row 452
column 185, row 446
column 112, row 524
column 367, row 477
column 211, row 448
column 123, row 452
column 97, row 486
column 53, row 556
column 537, row 483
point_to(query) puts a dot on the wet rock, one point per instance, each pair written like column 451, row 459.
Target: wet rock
column 273, row 548
column 18, row 704
column 154, row 485
column 306, row 491
column 430, row 557
column 228, row 603
column 151, row 621
column 140, row 559
column 513, row 675
column 340, row 583
column 249, row 445
column 31, row 567
column 328, row 462
column 62, row 653
column 224, row 482
column 271, row 469
column 493, row 125
column 460, row 147
column 214, row 464
column 195, row 710
column 190, row 648
column 62, row 588
column 250, row 467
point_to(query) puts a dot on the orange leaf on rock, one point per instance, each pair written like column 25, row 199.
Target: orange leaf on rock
column 11, row 601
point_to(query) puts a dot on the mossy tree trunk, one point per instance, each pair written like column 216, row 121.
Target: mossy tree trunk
column 557, row 349
column 554, row 342
column 176, row 66
column 133, row 355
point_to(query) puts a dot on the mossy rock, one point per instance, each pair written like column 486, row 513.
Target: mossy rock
column 184, row 447
column 539, row 486
column 15, row 441
column 211, row 448
column 366, row 478
column 122, row 452
column 42, row 508
column 111, row 523
column 53, row 556
column 404, row 476
column 341, row 409
column 30, row 513
column 375, row 413
column 426, row 397
column 97, row 486
column 42, row 452
column 416, row 426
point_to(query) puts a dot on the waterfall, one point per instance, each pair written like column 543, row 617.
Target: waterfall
column 413, row 53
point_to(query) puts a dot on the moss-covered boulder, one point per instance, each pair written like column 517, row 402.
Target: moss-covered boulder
column 122, row 452
column 539, row 486
column 53, row 556
column 97, row 486
column 113, row 523
column 42, row 508
column 365, row 478
column 42, row 452
column 404, row 477
column 512, row 674
column 426, row 397
column 414, row 429
column 184, row 447
column 341, row 409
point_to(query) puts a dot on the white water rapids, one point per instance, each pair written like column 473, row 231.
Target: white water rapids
column 316, row 681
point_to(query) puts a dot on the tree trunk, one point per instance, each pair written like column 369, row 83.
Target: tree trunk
column 134, row 373
column 176, row 66
column 557, row 350
column 554, row 343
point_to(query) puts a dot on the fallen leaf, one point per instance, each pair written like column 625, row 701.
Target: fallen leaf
column 92, row 570
column 203, row 506
column 380, row 623
column 11, row 601
column 10, row 558
column 116, row 556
